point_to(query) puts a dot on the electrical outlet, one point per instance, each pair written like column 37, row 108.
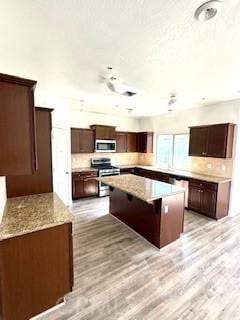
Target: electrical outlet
column 209, row 165
column 223, row 167
column 166, row 209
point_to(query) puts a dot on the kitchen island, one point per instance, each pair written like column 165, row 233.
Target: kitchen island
column 36, row 259
column 152, row 208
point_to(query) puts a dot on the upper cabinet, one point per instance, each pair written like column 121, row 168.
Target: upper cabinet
column 145, row 142
column 126, row 141
column 17, row 126
column 214, row 141
column 121, row 141
column 82, row 140
column 104, row 132
column 131, row 142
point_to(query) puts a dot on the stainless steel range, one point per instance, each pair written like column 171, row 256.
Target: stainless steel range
column 105, row 169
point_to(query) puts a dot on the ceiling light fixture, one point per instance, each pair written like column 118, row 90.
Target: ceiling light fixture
column 208, row 10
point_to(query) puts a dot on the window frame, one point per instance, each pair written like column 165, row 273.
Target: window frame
column 170, row 164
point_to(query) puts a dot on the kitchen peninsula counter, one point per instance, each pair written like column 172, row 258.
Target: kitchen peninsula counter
column 152, row 208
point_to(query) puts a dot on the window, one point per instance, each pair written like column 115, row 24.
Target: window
column 172, row 151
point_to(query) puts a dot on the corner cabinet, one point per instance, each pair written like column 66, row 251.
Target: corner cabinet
column 214, row 141
column 82, row 140
column 210, row 199
column 145, row 142
column 17, row 126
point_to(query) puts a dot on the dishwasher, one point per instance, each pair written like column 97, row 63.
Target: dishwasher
column 180, row 182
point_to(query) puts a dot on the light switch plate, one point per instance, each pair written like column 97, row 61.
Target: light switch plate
column 165, row 209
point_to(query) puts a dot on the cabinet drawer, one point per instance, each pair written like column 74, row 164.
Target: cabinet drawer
column 85, row 174
column 203, row 184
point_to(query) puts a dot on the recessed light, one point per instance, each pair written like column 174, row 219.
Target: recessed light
column 203, row 99
column 208, row 10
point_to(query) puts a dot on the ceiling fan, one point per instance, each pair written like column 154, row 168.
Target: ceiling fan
column 114, row 85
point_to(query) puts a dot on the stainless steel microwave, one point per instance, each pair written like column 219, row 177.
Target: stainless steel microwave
column 105, row 146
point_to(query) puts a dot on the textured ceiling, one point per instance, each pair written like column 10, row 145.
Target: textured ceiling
column 155, row 46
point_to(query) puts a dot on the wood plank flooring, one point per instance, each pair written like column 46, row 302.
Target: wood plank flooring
column 118, row 275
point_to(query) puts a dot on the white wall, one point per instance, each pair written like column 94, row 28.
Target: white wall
column 179, row 121
column 2, row 195
column 85, row 119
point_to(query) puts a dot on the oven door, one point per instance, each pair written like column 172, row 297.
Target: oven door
column 105, row 146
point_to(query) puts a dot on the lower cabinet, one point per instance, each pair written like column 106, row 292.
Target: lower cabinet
column 210, row 199
column 84, row 184
column 36, row 272
column 127, row 171
column 154, row 175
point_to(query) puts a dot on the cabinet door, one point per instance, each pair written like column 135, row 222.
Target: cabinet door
column 86, row 140
column 194, row 198
column 77, row 187
column 145, row 142
column 217, row 141
column 82, row 141
column 75, row 142
column 197, row 143
column 110, row 133
column 104, row 132
column 121, row 142
column 208, row 204
column 17, row 126
column 131, row 142
column 41, row 180
column 90, row 187
column 142, row 142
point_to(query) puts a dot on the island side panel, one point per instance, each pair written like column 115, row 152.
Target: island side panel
column 36, row 271
column 139, row 215
column 172, row 218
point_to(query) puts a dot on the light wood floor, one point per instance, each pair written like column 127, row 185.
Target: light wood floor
column 118, row 275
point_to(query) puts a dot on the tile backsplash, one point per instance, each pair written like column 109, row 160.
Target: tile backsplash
column 83, row 160
column 208, row 166
column 211, row 166
column 145, row 159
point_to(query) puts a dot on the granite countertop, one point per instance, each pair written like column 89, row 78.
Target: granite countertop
column 142, row 188
column 76, row 170
column 181, row 173
column 27, row 214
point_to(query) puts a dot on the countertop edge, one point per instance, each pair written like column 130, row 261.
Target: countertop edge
column 202, row 177
column 26, row 232
column 143, row 199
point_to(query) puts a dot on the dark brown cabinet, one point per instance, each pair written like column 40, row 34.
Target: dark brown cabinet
column 41, row 180
column 104, row 132
column 210, row 199
column 36, row 272
column 82, row 140
column 131, row 142
column 145, row 142
column 84, row 184
column 154, row 175
column 212, row 141
column 127, row 170
column 17, row 126
column 126, row 141
column 121, row 141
